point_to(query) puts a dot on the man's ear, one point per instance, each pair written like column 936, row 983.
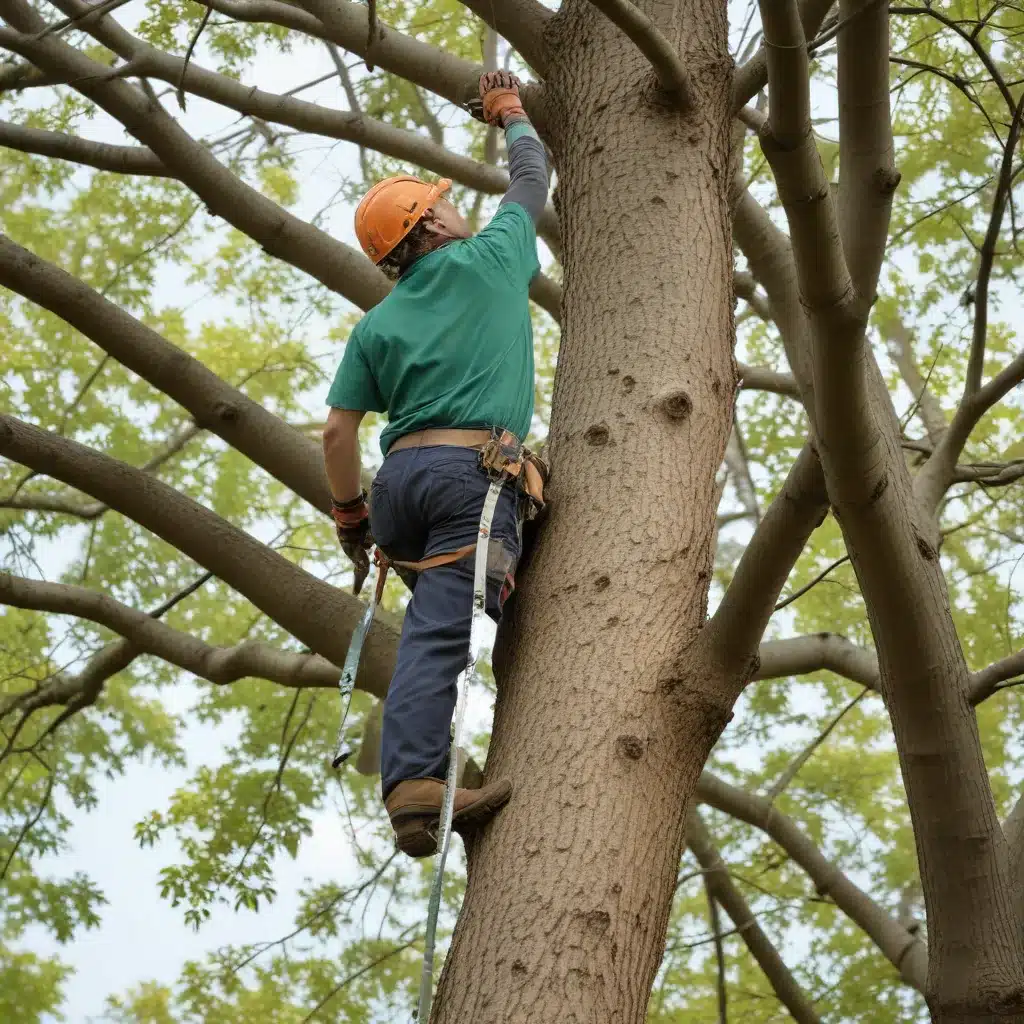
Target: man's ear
column 431, row 222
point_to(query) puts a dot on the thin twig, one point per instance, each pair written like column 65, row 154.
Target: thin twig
column 349, row 978
column 107, row 7
column 805, row 755
column 817, row 579
column 987, row 256
column 717, row 938
column 371, row 30
column 29, row 825
column 188, row 55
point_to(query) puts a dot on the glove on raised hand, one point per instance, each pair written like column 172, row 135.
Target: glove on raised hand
column 499, row 94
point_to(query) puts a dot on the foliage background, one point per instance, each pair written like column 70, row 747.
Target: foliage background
column 180, row 852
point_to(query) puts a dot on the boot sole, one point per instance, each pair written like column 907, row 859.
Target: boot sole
column 416, row 828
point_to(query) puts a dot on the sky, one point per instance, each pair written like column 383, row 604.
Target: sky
column 141, row 937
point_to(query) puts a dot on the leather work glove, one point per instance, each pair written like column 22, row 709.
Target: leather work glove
column 352, row 524
column 499, row 94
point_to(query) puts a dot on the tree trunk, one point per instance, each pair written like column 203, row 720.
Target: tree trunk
column 604, row 720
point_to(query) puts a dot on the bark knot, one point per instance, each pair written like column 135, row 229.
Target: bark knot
column 597, row 434
column 629, row 747
column 226, row 411
column 925, row 549
column 674, row 404
column 886, row 179
column 602, row 582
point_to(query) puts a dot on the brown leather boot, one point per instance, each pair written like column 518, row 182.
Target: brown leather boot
column 414, row 807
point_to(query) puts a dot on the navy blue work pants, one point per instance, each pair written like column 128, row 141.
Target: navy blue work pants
column 427, row 501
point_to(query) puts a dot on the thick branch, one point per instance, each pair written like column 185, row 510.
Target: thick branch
column 906, row 952
column 760, row 378
column 724, row 890
column 752, row 76
column 67, row 505
column 347, row 24
column 522, row 23
column 736, row 628
column 214, row 404
column 819, row 652
column 101, row 155
column 867, row 173
column 770, row 254
column 317, row 614
column 745, row 287
column 151, row 636
column 279, row 232
column 996, row 676
column 663, row 56
column 788, row 142
column 939, row 471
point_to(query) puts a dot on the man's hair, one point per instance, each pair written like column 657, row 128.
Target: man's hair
column 417, row 243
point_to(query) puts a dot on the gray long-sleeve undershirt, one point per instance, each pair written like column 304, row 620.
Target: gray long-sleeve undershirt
column 527, row 169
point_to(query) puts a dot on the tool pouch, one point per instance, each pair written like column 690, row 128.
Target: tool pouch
column 505, row 455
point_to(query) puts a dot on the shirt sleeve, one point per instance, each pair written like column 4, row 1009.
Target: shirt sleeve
column 354, row 385
column 527, row 168
column 509, row 244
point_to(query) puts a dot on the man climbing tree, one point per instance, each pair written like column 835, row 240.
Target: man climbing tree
column 449, row 356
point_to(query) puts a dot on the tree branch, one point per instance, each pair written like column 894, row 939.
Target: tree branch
column 66, row 505
column 819, row 652
column 733, row 633
column 522, row 22
column 769, row 253
column 986, row 258
column 938, row 472
column 906, row 952
column 667, row 64
column 722, row 888
column 317, row 614
column 970, row 39
column 214, row 404
column 279, row 232
column 752, row 76
column 347, row 24
column 997, row 676
column 867, row 173
column 147, row 635
column 80, row 691
column 760, row 378
column 745, row 287
column 779, row 786
column 101, row 155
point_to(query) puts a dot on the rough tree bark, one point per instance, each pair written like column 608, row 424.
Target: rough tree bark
column 605, row 713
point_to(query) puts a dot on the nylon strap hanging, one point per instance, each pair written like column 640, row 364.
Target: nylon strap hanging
column 447, row 808
column 346, row 684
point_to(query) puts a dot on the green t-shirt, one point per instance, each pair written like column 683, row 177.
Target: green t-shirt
column 452, row 344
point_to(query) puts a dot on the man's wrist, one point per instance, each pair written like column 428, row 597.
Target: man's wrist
column 513, row 116
column 359, row 499
column 351, row 513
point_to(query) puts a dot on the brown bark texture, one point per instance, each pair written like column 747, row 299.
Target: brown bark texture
column 603, row 722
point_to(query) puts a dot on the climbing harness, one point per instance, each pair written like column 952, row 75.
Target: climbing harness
column 343, row 750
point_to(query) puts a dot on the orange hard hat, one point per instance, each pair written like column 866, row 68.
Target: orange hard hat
column 391, row 209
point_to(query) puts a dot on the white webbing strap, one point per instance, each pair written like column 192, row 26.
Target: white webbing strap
column 447, row 808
